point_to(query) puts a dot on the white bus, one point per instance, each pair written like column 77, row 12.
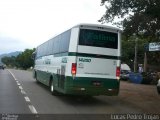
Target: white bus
column 84, row 60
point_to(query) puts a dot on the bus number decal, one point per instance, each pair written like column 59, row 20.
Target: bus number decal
column 84, row 60
column 64, row 60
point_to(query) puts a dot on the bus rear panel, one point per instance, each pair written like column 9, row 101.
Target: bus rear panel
column 95, row 69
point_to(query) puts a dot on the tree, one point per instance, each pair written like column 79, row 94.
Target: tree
column 142, row 17
column 9, row 61
column 24, row 59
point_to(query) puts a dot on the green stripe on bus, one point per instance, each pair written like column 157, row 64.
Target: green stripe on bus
column 87, row 55
column 93, row 55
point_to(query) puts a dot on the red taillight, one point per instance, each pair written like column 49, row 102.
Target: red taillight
column 118, row 72
column 73, row 69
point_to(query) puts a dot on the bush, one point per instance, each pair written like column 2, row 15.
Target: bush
column 147, row 78
column 150, row 78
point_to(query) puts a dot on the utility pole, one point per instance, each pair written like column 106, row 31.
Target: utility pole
column 135, row 55
column 145, row 61
column 146, row 48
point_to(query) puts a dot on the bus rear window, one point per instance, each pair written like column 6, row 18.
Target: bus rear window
column 98, row 38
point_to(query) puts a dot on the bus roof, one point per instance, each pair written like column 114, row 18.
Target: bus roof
column 88, row 25
column 98, row 25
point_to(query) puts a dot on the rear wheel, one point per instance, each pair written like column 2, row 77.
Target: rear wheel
column 52, row 89
column 36, row 77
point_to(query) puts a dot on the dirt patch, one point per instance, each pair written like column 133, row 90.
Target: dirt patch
column 144, row 97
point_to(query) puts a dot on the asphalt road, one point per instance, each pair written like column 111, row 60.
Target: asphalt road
column 19, row 93
column 11, row 99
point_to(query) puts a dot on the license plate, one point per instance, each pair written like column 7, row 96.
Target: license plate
column 96, row 83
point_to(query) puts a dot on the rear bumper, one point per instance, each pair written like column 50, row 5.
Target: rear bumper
column 85, row 86
column 91, row 91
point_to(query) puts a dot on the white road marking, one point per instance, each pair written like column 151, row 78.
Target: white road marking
column 18, row 84
column 27, row 99
column 20, row 87
column 12, row 75
column 32, row 109
column 23, row 92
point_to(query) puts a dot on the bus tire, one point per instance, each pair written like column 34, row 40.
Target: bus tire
column 52, row 90
column 36, row 78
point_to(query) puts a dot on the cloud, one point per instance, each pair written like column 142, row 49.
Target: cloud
column 33, row 22
column 10, row 44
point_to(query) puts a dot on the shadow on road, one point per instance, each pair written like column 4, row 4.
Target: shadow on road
column 75, row 99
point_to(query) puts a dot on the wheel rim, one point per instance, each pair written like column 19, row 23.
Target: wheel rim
column 52, row 88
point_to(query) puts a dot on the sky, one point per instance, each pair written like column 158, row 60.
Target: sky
column 28, row 23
